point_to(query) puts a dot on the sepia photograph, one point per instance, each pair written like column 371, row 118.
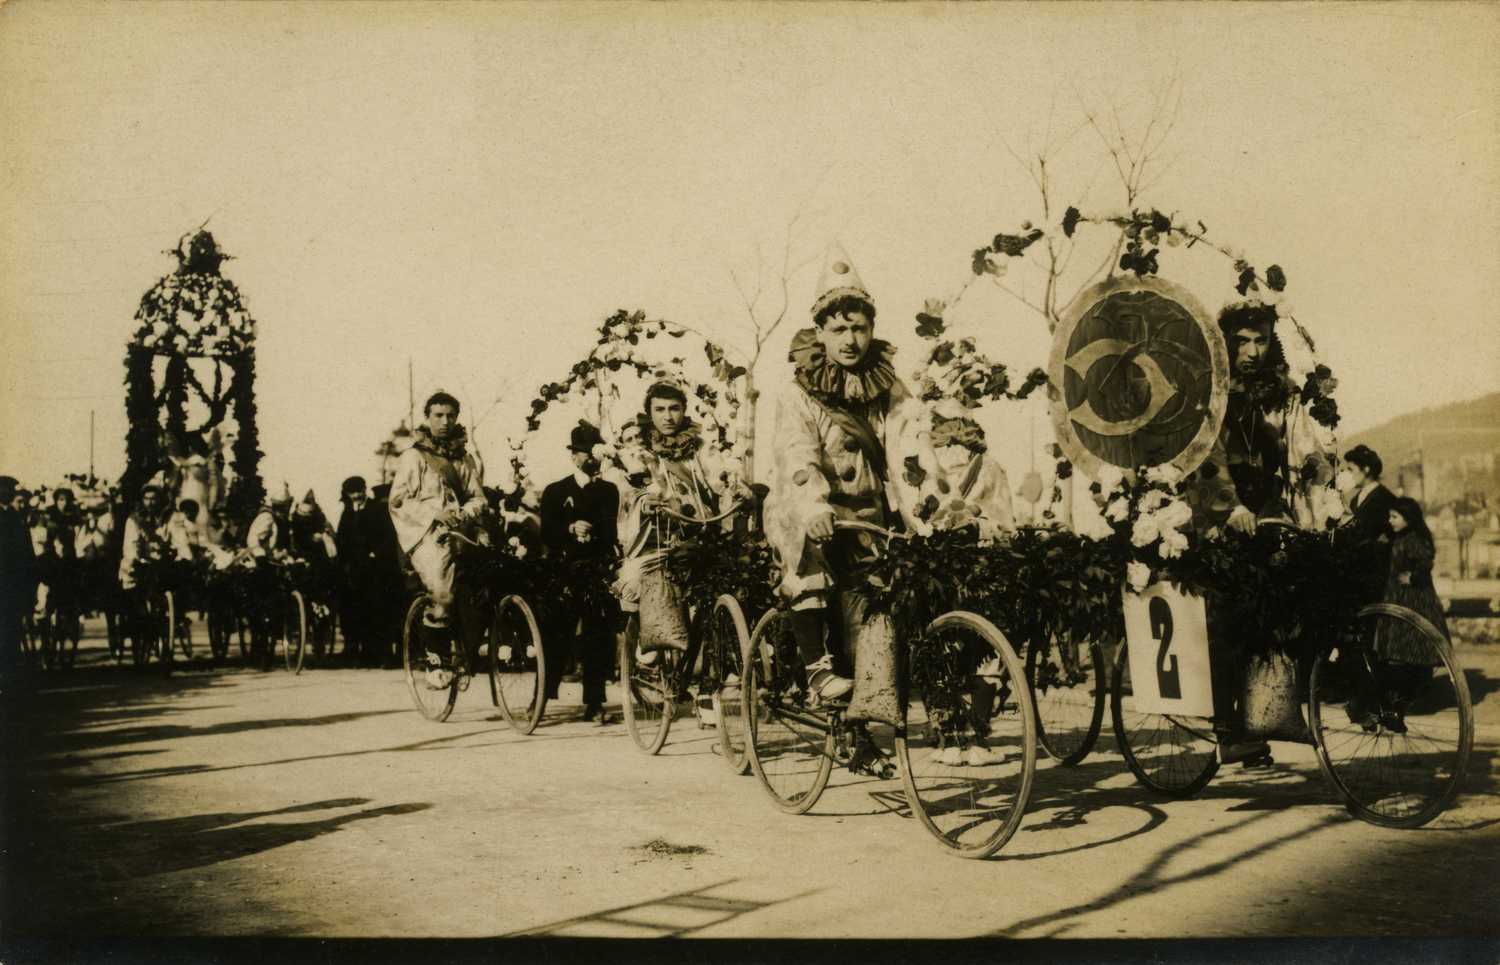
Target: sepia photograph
column 807, row 479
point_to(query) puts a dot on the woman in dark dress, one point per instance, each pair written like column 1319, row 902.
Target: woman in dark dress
column 1406, row 655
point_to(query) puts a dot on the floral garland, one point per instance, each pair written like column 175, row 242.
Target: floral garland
column 958, row 370
column 715, row 407
column 194, row 311
column 1143, row 232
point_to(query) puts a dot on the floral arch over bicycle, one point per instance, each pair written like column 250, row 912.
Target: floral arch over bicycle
column 620, row 350
column 1276, row 588
column 598, row 383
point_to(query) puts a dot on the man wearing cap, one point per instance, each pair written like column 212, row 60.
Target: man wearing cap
column 145, row 536
column 438, row 489
column 17, row 575
column 844, row 431
column 270, row 531
column 579, row 521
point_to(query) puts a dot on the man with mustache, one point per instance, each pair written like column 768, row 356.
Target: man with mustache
column 578, row 522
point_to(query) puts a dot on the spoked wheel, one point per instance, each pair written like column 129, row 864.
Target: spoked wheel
column 182, row 631
column 790, row 747
column 968, row 753
column 646, row 693
column 294, row 632
column 730, row 639
column 1393, row 737
column 114, row 633
column 518, row 668
column 142, row 630
column 1174, row 756
column 433, row 701
column 36, row 639
column 164, row 622
column 67, row 632
column 1068, row 684
column 220, row 628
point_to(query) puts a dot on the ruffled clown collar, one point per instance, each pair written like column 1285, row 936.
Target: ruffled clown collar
column 839, row 386
column 452, row 447
column 678, row 447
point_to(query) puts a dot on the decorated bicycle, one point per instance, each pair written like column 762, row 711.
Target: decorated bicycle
column 679, row 493
column 671, row 469
column 852, row 667
column 1210, row 443
column 441, row 510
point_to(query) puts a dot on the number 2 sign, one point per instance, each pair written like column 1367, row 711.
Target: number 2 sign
column 1166, row 633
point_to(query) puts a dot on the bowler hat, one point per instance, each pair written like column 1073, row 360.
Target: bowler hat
column 585, row 437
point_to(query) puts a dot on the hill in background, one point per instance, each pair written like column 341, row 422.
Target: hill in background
column 1456, row 446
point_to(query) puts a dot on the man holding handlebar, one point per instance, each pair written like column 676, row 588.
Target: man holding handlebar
column 438, row 489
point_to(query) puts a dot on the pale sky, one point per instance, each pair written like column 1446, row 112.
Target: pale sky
column 476, row 187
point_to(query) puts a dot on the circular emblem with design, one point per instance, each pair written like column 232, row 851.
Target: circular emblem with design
column 1139, row 376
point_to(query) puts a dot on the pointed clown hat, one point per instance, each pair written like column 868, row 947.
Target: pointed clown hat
column 838, row 279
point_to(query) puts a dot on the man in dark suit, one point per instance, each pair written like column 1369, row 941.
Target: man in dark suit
column 578, row 522
column 1368, row 525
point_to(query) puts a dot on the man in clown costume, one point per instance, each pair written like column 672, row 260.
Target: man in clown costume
column 667, row 467
column 438, row 489
column 850, row 444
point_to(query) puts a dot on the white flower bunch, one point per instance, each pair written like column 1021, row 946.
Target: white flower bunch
column 1138, row 575
column 517, row 548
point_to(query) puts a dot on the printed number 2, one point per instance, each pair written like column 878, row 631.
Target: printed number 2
column 1167, row 682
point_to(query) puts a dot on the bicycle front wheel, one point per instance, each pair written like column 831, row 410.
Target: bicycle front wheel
column 968, row 751
column 1068, row 685
column 1393, row 737
column 1172, row 756
column 790, row 746
column 518, row 667
column 166, row 629
column 730, row 640
column 294, row 632
column 433, row 696
column 646, row 693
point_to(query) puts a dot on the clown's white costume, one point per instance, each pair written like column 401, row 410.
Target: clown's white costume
column 434, row 477
column 680, row 473
column 849, row 440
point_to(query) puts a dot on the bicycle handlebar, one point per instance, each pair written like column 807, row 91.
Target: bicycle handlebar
column 857, row 526
column 705, row 520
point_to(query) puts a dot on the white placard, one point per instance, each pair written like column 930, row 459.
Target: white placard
column 1166, row 633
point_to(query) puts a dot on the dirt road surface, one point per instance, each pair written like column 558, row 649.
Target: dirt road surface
column 236, row 802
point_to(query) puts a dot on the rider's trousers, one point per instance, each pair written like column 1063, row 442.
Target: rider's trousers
column 434, row 564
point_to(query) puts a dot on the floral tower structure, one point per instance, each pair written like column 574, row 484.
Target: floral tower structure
column 190, row 388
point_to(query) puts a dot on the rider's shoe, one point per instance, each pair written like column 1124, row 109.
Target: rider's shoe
column 823, row 683
column 503, row 653
column 646, row 658
column 977, row 756
column 950, row 756
column 1252, row 750
column 463, row 681
column 438, row 676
